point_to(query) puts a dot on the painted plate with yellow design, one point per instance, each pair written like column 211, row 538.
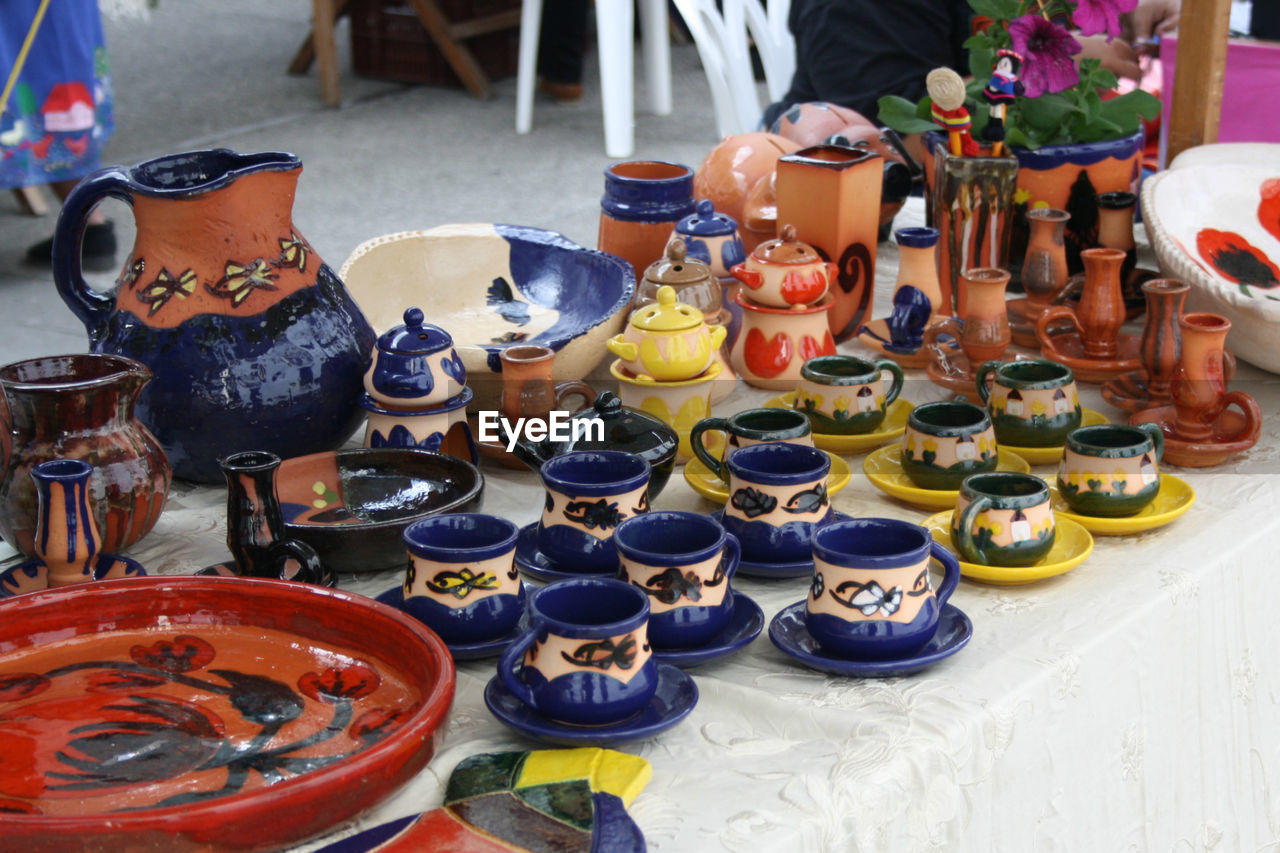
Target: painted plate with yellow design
column 706, row 483
column 884, row 469
column 1053, row 455
column 893, row 426
column 1174, row 498
column 1071, row 544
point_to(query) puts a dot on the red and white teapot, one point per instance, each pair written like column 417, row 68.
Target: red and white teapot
column 785, row 273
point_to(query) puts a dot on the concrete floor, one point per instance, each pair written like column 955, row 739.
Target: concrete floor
column 394, row 157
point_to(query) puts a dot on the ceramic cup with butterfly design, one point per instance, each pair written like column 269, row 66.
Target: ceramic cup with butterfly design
column 872, row 596
column 1111, row 470
column 1033, row 403
column 946, row 442
column 748, row 427
column 684, row 562
column 777, row 496
column 586, row 658
column 845, row 395
column 589, row 493
column 461, row 580
column 1003, row 519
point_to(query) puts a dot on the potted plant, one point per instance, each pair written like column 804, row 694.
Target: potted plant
column 1071, row 142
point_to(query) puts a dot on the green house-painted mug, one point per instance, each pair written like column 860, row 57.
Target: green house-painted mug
column 748, row 427
column 1111, row 470
column 1033, row 403
column 1003, row 519
column 946, row 442
column 846, row 395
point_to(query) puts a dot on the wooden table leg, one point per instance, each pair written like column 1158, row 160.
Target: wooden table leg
column 1196, row 107
column 458, row 57
column 326, row 49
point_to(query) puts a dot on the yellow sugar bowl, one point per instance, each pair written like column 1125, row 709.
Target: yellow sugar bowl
column 667, row 340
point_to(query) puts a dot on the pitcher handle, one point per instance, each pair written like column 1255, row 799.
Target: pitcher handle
column 92, row 307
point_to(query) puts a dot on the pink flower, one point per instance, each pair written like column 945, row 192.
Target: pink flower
column 1047, row 49
column 1101, row 16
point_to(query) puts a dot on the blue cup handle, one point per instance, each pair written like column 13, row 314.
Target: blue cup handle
column 950, row 572
column 731, row 557
column 513, row 655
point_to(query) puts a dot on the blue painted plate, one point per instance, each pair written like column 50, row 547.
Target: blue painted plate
column 537, row 565
column 788, row 633
column 32, row 576
column 746, row 621
column 674, row 699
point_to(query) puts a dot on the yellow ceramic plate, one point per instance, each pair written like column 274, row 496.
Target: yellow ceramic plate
column 1071, row 544
column 1053, row 455
column 1174, row 498
column 884, row 469
column 707, row 484
column 893, row 426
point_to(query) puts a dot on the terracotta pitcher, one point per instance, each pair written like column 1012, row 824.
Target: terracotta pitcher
column 1101, row 311
column 253, row 341
column 1044, row 268
column 80, row 407
column 527, row 389
column 983, row 332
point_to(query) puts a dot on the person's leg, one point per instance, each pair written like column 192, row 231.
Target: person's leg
column 562, row 42
column 97, row 249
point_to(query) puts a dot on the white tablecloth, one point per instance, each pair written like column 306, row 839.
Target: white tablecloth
column 1128, row 705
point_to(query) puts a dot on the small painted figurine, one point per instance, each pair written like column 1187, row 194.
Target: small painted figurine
column 999, row 93
column 946, row 89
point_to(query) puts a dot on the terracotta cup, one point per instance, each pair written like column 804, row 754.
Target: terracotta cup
column 1199, row 384
column 586, row 658
column 946, row 442
column 642, row 202
column 684, row 562
column 982, row 328
column 461, row 579
column 752, row 426
column 844, row 394
column 1033, row 403
column 589, row 493
column 527, row 389
column 777, row 498
column 1003, row 518
column 1111, row 470
column 871, row 595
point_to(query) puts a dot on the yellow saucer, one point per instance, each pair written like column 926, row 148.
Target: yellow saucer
column 884, row 469
column 1053, row 455
column 893, row 426
column 1174, row 498
column 1071, row 544
column 707, row 484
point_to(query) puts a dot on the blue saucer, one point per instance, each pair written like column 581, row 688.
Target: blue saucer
column 798, row 569
column 788, row 632
column 32, row 576
column 540, row 567
column 746, row 621
column 675, row 697
column 462, row 651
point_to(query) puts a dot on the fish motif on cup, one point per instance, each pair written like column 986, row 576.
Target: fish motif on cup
column 605, row 654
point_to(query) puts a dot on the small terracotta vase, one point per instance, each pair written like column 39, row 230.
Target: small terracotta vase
column 67, row 537
column 1199, row 385
column 1161, row 336
column 255, row 529
column 1044, row 268
column 983, row 332
column 1101, row 311
column 917, row 294
column 527, row 389
column 1115, row 227
column 776, row 342
column 643, row 200
column 831, row 194
column 80, row 407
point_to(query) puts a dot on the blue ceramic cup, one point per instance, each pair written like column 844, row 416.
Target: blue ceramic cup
column 683, row 561
column 461, row 580
column 777, row 496
column 586, row 658
column 872, row 596
column 589, row 493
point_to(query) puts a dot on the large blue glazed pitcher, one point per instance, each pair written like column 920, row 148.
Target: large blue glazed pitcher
column 254, row 342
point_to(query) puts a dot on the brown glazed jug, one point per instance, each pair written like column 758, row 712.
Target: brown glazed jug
column 80, row 407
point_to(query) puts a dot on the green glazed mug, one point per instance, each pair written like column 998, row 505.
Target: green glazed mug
column 1003, row 519
column 846, row 395
column 1111, row 470
column 748, row 427
column 946, row 442
column 1033, row 403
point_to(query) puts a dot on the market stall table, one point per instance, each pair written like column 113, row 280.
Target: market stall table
column 1127, row 704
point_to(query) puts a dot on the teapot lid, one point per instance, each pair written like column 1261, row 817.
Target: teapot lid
column 625, row 429
column 705, row 222
column 414, row 337
column 786, row 249
column 666, row 315
column 676, row 269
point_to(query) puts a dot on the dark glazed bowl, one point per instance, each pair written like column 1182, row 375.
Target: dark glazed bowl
column 352, row 506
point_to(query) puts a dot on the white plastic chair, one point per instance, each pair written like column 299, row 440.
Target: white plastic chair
column 725, row 51
column 615, row 36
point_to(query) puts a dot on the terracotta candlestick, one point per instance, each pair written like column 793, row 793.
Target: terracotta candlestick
column 1094, row 348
